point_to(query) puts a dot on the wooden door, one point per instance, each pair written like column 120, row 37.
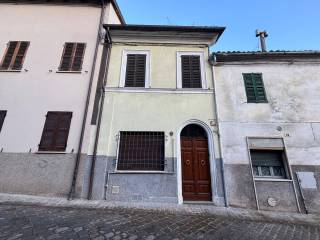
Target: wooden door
column 196, row 179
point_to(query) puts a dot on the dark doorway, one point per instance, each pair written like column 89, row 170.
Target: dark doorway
column 196, row 179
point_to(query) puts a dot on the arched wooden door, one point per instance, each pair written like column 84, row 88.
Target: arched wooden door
column 196, row 178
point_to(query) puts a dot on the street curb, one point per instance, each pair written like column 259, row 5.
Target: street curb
column 235, row 213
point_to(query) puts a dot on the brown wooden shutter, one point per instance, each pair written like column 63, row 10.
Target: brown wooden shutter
column 2, row 117
column 56, row 131
column 191, row 71
column 14, row 56
column 66, row 59
column 72, row 57
column 136, row 70
column 21, row 52
column 78, row 57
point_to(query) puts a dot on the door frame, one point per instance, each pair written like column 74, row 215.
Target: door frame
column 213, row 168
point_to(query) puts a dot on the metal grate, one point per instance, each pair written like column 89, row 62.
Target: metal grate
column 141, row 151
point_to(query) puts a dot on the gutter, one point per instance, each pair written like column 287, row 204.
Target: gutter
column 101, row 106
column 85, row 114
column 211, row 62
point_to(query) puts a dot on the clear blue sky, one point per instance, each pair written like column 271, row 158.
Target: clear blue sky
column 291, row 24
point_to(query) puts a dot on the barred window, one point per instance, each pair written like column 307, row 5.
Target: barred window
column 141, row 151
column 268, row 163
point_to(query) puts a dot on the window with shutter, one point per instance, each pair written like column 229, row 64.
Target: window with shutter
column 2, row 117
column 72, row 57
column 142, row 151
column 268, row 163
column 56, row 131
column 254, row 88
column 135, row 70
column 14, row 55
column 191, row 71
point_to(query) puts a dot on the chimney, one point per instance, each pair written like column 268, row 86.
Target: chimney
column 262, row 35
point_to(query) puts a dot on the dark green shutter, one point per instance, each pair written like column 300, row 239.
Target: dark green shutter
column 254, row 88
column 78, row 57
column 136, row 70
column 9, row 55
column 66, row 59
column 191, row 71
column 18, row 61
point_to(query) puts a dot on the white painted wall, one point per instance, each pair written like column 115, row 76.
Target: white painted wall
column 29, row 94
column 293, row 104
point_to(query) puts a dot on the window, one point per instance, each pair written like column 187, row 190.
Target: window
column 72, row 57
column 254, row 88
column 141, row 151
column 14, row 55
column 2, row 117
column 56, row 131
column 190, row 72
column 135, row 69
column 268, row 163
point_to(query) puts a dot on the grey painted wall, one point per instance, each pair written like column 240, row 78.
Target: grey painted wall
column 36, row 174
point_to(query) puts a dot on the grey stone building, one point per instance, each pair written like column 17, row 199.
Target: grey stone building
column 268, row 112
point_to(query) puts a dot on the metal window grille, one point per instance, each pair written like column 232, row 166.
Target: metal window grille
column 141, row 151
column 268, row 163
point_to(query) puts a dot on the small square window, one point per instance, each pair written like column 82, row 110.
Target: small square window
column 254, row 86
column 268, row 163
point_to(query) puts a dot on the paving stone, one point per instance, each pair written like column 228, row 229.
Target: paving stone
column 40, row 223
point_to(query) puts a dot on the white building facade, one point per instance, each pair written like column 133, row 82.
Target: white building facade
column 48, row 77
column 269, row 122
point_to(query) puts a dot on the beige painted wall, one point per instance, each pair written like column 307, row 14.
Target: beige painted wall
column 29, row 94
column 163, row 64
column 293, row 104
column 166, row 110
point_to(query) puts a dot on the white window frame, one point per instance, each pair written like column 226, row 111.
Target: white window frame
column 125, row 53
column 204, row 84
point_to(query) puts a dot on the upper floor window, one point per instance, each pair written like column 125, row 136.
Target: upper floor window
column 14, row 55
column 254, row 88
column 2, row 117
column 142, row 151
column 55, row 132
column 135, row 69
column 190, row 72
column 268, row 163
column 72, row 57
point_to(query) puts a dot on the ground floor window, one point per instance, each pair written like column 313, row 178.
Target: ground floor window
column 268, row 163
column 141, row 151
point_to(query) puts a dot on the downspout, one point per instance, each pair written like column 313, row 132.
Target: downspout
column 101, row 103
column 211, row 62
column 85, row 114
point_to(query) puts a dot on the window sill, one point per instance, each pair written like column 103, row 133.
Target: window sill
column 11, row 71
column 50, row 152
column 79, row 72
column 141, row 172
column 262, row 179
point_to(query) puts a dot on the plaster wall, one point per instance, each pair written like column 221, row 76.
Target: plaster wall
column 38, row 88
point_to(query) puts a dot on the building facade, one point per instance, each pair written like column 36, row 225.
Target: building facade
column 158, row 137
column 49, row 67
column 268, row 113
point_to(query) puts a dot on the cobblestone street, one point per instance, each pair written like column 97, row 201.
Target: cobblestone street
column 30, row 222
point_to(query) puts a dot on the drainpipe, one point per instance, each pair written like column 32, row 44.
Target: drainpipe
column 101, row 105
column 211, row 62
column 85, row 114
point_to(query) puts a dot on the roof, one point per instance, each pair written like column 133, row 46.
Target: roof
column 278, row 55
column 94, row 2
column 166, row 33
